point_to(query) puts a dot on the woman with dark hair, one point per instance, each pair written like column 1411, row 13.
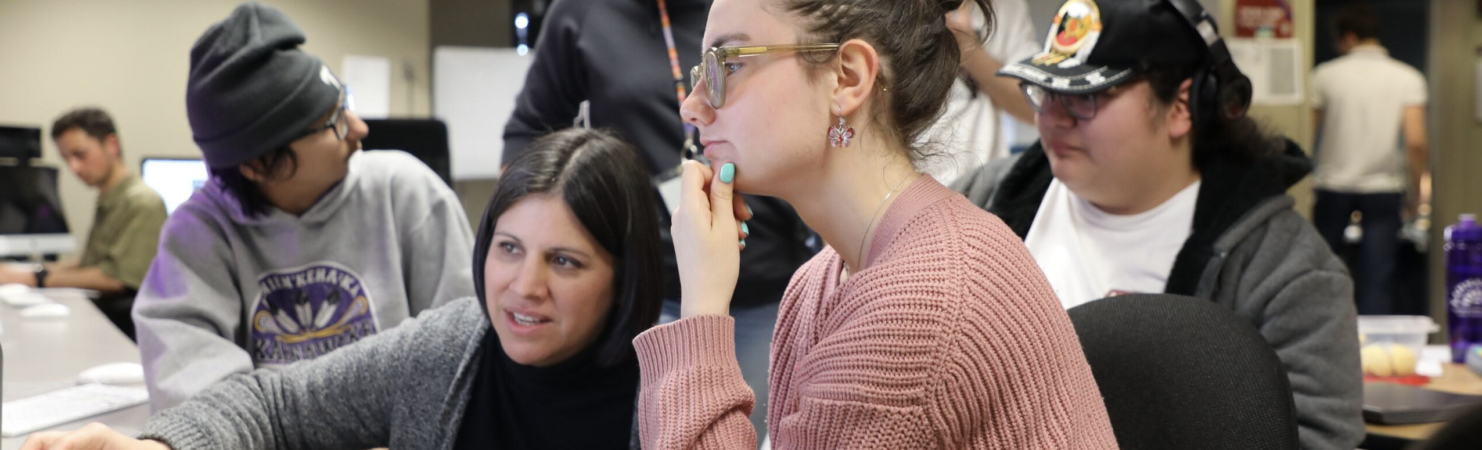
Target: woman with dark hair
column 567, row 274
column 623, row 59
column 1148, row 178
column 924, row 323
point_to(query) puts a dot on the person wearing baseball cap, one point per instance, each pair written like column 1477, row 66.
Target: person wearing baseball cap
column 300, row 244
column 1150, row 178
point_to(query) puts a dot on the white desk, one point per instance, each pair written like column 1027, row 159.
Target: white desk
column 43, row 355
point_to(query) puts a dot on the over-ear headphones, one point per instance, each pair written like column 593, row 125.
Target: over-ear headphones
column 1219, row 90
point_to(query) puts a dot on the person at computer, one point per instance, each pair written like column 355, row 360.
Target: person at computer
column 126, row 223
column 569, row 268
column 300, row 243
column 1150, row 178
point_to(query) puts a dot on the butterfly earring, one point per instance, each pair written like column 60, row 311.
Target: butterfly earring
column 840, row 135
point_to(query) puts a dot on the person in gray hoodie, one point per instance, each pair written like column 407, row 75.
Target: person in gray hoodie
column 1150, row 178
column 568, row 271
column 300, row 244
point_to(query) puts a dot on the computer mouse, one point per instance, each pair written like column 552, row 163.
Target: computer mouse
column 122, row 373
column 46, row 311
column 21, row 296
column 9, row 289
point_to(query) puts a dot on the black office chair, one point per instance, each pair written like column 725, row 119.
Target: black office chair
column 118, row 308
column 1183, row 373
column 427, row 139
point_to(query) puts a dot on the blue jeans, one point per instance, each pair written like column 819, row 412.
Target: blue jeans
column 1374, row 277
column 753, row 351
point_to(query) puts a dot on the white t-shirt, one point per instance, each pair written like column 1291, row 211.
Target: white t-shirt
column 971, row 130
column 1088, row 254
column 1363, row 96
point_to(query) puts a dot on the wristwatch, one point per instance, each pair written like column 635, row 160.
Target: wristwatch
column 41, row 277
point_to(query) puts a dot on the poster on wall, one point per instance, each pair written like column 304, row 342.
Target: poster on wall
column 473, row 91
column 369, row 81
column 1274, row 67
column 1263, row 19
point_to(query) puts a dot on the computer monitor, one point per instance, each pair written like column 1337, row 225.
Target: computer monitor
column 175, row 179
column 31, row 218
column 22, row 143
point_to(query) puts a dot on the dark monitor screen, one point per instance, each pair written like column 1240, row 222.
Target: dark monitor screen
column 20, row 142
column 29, row 203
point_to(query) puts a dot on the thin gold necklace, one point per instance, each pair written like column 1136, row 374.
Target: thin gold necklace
column 860, row 252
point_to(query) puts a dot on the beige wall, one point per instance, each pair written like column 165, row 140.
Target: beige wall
column 1456, row 33
column 132, row 57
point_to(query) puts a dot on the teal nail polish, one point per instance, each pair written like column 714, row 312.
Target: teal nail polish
column 744, row 229
column 743, row 242
column 748, row 211
column 727, row 173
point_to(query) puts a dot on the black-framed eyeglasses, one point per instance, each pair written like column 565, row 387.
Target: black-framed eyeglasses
column 337, row 120
column 1081, row 107
column 712, row 71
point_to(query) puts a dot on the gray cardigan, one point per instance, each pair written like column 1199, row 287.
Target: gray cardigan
column 405, row 388
column 1253, row 254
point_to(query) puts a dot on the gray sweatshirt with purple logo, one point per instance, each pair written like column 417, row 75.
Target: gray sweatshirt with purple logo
column 229, row 293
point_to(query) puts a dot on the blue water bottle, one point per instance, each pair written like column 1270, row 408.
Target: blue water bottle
column 1464, row 285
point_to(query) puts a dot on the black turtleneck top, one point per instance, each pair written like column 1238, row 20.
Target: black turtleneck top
column 577, row 403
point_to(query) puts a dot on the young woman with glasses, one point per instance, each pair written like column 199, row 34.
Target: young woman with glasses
column 924, row 323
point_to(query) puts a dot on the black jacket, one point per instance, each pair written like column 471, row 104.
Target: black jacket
column 612, row 53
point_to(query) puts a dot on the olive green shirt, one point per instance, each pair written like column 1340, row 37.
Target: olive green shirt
column 126, row 231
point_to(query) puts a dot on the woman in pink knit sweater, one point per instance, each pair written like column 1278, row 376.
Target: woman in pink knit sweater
column 925, row 323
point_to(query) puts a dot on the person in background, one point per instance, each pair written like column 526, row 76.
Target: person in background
column 300, row 244
column 976, row 124
column 1145, row 181
column 1369, row 110
column 924, row 323
column 126, row 223
column 566, row 262
column 624, row 57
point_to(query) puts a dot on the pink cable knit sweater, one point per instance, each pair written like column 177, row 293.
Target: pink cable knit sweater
column 950, row 338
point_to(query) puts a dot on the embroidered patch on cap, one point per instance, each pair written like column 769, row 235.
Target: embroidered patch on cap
column 1065, row 64
column 1073, row 35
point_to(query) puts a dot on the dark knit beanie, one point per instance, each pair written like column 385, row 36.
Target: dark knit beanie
column 251, row 90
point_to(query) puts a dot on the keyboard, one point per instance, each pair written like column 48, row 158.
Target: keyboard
column 21, row 417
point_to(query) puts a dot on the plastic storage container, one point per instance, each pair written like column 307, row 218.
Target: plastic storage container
column 1392, row 344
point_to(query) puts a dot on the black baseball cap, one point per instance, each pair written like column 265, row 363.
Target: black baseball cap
column 1094, row 45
